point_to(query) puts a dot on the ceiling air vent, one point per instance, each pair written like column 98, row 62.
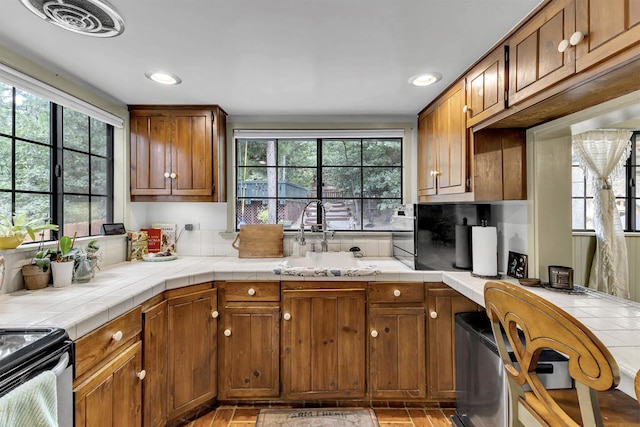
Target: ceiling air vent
column 90, row 17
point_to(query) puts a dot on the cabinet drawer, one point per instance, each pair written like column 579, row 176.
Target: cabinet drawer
column 252, row 291
column 389, row 292
column 95, row 346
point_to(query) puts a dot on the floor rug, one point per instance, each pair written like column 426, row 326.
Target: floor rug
column 317, row 417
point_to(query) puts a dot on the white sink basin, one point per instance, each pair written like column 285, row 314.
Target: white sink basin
column 325, row 264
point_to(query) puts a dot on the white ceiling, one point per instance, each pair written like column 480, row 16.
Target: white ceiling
column 273, row 57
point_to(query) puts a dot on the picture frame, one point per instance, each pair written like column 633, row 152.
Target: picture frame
column 517, row 265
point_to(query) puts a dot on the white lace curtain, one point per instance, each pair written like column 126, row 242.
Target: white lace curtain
column 602, row 154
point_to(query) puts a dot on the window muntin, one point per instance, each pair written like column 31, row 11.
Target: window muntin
column 624, row 189
column 54, row 163
column 361, row 181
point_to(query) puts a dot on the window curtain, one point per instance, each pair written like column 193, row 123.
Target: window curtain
column 602, row 154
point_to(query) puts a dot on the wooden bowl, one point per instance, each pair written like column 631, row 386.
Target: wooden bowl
column 529, row 282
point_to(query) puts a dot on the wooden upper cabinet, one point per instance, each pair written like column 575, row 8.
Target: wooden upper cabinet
column 534, row 60
column 443, row 145
column 485, row 87
column 177, row 153
column 608, row 26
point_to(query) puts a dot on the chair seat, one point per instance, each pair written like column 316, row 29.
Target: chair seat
column 618, row 409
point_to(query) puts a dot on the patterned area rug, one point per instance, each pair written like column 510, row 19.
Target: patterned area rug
column 317, row 417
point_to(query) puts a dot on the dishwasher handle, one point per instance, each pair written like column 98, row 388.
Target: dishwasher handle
column 61, row 365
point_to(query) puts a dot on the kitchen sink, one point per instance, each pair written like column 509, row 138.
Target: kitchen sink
column 325, row 264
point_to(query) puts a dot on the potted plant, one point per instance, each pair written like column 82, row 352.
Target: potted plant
column 14, row 229
column 63, row 264
column 38, row 274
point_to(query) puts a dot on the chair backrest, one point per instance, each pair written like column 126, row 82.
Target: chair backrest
column 637, row 385
column 544, row 325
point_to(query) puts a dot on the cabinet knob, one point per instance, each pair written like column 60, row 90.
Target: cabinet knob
column 563, row 45
column 251, row 291
column 173, row 175
column 215, row 314
column 433, row 314
column 167, row 175
column 374, row 333
column 576, row 38
column 141, row 374
column 287, row 316
column 397, row 293
column 465, row 109
column 117, row 336
column 227, row 332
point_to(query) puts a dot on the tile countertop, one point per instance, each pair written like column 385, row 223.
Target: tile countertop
column 80, row 308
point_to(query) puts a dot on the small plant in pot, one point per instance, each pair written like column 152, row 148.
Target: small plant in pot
column 13, row 229
column 38, row 274
column 63, row 264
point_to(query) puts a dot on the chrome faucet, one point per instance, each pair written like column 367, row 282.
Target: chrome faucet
column 314, row 227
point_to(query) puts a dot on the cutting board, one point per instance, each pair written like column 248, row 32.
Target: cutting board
column 259, row 241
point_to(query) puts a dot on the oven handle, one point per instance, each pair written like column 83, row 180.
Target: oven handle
column 61, row 365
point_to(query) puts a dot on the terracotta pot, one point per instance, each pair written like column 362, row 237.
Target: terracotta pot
column 62, row 273
column 34, row 278
column 11, row 242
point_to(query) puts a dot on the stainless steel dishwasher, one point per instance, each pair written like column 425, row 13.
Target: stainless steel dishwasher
column 482, row 392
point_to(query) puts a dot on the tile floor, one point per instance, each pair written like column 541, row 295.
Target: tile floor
column 238, row 416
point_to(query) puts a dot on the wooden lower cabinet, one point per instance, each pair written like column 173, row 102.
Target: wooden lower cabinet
column 323, row 344
column 442, row 305
column 154, row 355
column 397, row 353
column 192, row 351
column 112, row 396
column 249, row 352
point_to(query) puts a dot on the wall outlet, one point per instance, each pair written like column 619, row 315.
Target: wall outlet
column 192, row 226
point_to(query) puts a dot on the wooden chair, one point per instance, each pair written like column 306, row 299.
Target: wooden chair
column 637, row 385
column 593, row 402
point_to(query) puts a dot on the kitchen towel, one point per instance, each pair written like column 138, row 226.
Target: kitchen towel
column 32, row 404
column 484, row 251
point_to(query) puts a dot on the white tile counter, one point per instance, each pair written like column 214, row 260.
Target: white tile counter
column 116, row 289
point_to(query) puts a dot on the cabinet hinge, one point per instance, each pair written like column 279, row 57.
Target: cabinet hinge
column 468, row 184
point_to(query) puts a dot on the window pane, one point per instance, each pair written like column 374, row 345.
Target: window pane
column 33, row 117
column 382, row 182
column 99, row 175
column 98, row 138
column 341, row 152
column 34, row 206
column 33, row 166
column 343, row 214
column 252, row 153
column 577, row 214
column 98, row 214
column 5, row 203
column 621, row 206
column 76, row 215
column 619, row 185
column 5, row 163
column 637, row 207
column 379, row 152
column 76, row 178
column 297, row 152
column 258, row 211
column 378, row 213
column 589, row 215
column 341, row 182
column 6, row 108
column 297, row 182
column 75, row 130
column 577, row 182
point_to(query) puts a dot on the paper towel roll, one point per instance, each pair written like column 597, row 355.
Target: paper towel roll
column 463, row 246
column 484, row 250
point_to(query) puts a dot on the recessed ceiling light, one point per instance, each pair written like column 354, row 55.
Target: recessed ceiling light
column 425, row 79
column 163, row 77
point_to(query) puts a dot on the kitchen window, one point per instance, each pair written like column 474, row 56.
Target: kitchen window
column 624, row 188
column 357, row 178
column 55, row 162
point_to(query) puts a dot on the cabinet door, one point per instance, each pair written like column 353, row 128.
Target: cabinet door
column 451, row 139
column 443, row 304
column 485, row 88
column 192, row 153
column 534, row 60
column 250, row 352
column 112, row 397
column 323, row 344
column 609, row 26
column 192, row 351
column 397, row 352
column 150, row 153
column 154, row 355
column 426, row 154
